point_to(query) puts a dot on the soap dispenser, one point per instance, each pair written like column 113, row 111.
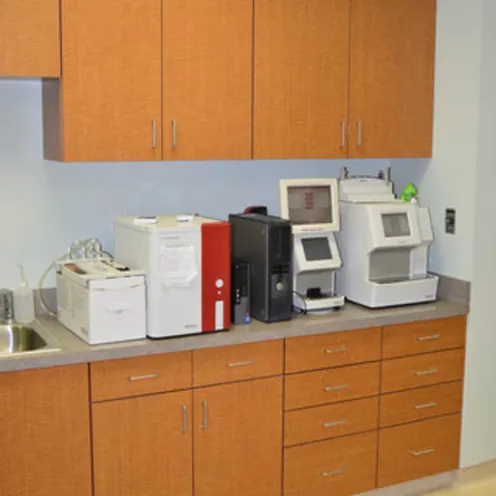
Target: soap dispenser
column 23, row 301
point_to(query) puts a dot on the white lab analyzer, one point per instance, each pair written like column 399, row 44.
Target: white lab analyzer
column 312, row 207
column 384, row 243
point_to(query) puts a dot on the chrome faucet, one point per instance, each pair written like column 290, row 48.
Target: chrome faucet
column 6, row 306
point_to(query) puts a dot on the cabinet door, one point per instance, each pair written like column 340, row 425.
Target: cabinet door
column 301, row 78
column 143, row 446
column 45, row 432
column 207, row 78
column 29, row 38
column 238, row 439
column 111, row 83
column 392, row 78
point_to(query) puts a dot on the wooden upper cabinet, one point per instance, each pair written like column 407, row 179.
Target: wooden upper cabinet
column 108, row 104
column 207, row 79
column 301, row 78
column 45, row 432
column 238, row 439
column 392, row 78
column 29, row 38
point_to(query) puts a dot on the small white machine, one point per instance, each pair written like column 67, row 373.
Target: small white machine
column 101, row 302
column 384, row 244
column 312, row 206
column 187, row 260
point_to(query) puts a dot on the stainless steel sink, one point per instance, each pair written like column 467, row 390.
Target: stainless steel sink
column 16, row 339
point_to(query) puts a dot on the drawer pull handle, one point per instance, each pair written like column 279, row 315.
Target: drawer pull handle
column 426, row 405
column 328, row 389
column 335, row 424
column 428, row 451
column 337, row 350
column 205, row 416
column 336, row 472
column 144, row 377
column 428, row 338
column 185, row 418
column 426, row 372
column 241, row 364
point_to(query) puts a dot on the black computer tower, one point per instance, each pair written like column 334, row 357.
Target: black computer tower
column 240, row 289
column 265, row 242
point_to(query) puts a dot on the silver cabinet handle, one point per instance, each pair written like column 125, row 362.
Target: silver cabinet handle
column 335, row 424
column 426, row 372
column 343, row 135
column 185, row 418
column 154, row 133
column 428, row 451
column 336, row 472
column 205, row 415
column 429, row 338
column 327, row 389
column 155, row 375
column 360, row 134
column 425, row 405
column 174, row 133
column 241, row 364
column 337, row 350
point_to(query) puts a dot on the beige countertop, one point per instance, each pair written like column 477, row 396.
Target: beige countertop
column 74, row 350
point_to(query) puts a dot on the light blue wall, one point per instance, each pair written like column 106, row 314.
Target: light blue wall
column 46, row 205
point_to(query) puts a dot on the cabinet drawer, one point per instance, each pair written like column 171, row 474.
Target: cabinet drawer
column 326, row 422
column 140, row 375
column 339, row 467
column 333, row 349
column 331, row 386
column 422, row 337
column 422, row 370
column 237, row 363
column 418, row 450
column 420, row 404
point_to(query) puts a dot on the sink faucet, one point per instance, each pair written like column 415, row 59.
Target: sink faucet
column 6, row 306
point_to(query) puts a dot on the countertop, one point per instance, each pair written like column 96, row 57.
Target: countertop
column 74, row 350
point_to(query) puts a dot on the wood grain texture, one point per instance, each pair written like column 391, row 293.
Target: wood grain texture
column 326, row 422
column 339, row 467
column 301, row 78
column 421, row 404
column 237, row 363
column 392, row 77
column 418, row 450
column 140, row 375
column 111, row 82
column 207, row 78
column 140, row 447
column 239, row 451
column 422, row 370
column 424, row 336
column 45, row 432
column 29, row 39
column 333, row 349
column 331, row 386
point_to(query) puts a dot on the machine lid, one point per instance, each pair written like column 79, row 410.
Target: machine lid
column 164, row 222
column 366, row 190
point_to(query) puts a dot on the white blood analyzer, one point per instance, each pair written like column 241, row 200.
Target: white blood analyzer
column 384, row 243
column 312, row 207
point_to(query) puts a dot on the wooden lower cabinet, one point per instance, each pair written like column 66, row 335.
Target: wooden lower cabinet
column 418, row 450
column 238, row 439
column 143, row 446
column 45, row 432
column 340, row 467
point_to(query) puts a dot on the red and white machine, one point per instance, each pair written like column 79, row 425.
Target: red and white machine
column 187, row 260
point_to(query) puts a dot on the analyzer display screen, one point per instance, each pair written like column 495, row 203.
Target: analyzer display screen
column 310, row 205
column 395, row 225
column 316, row 249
